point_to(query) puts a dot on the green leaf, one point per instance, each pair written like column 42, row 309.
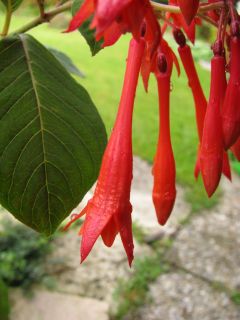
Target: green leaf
column 66, row 62
column 14, row 4
column 51, row 136
column 86, row 32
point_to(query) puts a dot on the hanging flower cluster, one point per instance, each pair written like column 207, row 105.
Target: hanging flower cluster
column 218, row 119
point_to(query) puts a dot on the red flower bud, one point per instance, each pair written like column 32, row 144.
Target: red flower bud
column 194, row 84
column 164, row 190
column 211, row 153
column 231, row 105
column 198, row 95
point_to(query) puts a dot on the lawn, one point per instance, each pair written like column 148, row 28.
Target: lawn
column 104, row 75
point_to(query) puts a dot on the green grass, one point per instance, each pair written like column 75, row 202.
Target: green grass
column 132, row 293
column 104, row 76
column 235, row 297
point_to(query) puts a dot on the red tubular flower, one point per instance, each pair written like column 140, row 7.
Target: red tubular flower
column 211, row 153
column 109, row 211
column 189, row 9
column 198, row 95
column 194, row 83
column 113, row 18
column 164, row 173
column 231, row 105
column 236, row 149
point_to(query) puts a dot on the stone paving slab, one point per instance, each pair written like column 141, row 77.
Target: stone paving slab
column 180, row 296
column 210, row 245
column 98, row 276
column 45, row 305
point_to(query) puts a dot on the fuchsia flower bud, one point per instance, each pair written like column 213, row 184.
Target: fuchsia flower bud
column 164, row 190
column 211, row 152
column 194, row 84
column 109, row 211
column 164, row 172
column 231, row 105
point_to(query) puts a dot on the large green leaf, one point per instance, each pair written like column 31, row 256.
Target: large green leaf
column 86, row 32
column 13, row 4
column 51, row 135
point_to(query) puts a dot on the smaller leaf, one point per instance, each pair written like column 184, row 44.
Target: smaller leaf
column 67, row 62
column 14, row 4
column 86, row 32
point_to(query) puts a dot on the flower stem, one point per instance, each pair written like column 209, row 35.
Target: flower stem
column 41, row 8
column 175, row 9
column 48, row 16
column 7, row 19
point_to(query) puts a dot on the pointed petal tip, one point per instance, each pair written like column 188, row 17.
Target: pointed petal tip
column 211, row 187
column 130, row 261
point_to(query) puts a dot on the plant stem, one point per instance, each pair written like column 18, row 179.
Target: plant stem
column 48, row 16
column 41, row 8
column 7, row 19
column 175, row 9
column 207, row 19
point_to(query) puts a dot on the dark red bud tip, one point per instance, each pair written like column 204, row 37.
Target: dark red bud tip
column 179, row 37
column 211, row 168
column 235, row 31
column 162, row 63
column 163, row 207
column 218, row 48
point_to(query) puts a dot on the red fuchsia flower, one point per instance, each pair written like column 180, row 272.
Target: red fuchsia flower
column 194, row 83
column 231, row 105
column 189, row 9
column 109, row 211
column 111, row 19
column 211, row 152
column 164, row 173
column 236, row 149
column 199, row 97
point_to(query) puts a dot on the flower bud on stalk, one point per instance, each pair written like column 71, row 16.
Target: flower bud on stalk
column 211, row 151
column 194, row 83
column 164, row 190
